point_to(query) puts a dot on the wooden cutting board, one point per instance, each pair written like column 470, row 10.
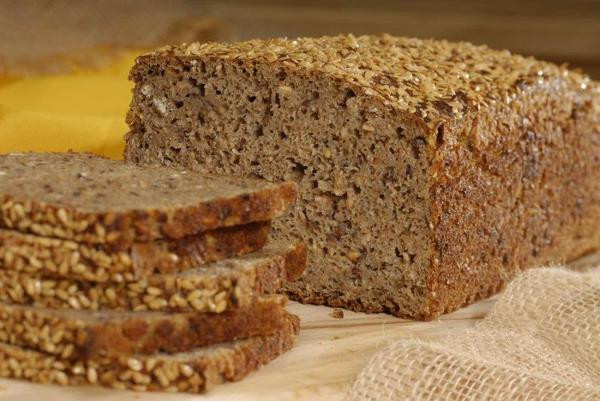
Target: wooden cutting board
column 329, row 354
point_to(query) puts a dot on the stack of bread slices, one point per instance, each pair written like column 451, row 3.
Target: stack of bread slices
column 142, row 278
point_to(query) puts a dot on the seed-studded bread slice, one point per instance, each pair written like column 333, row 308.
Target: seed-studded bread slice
column 91, row 199
column 73, row 334
column 216, row 287
column 430, row 172
column 54, row 257
column 192, row 371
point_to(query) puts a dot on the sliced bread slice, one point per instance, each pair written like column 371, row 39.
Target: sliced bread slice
column 215, row 287
column 73, row 334
column 193, row 371
column 91, row 199
column 54, row 257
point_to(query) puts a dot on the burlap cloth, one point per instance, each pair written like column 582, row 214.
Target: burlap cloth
column 540, row 341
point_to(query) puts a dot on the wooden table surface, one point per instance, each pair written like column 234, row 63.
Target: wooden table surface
column 328, row 356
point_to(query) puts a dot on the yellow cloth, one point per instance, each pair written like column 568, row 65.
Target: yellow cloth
column 81, row 111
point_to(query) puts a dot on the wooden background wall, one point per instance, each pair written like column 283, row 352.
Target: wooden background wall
column 556, row 30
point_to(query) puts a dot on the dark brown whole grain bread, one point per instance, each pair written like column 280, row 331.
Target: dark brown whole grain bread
column 91, row 199
column 72, row 334
column 215, row 287
column 430, row 172
column 55, row 257
column 193, row 371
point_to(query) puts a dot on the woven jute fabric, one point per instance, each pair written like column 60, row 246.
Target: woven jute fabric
column 540, row 341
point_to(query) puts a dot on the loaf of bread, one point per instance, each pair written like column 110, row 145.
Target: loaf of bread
column 194, row 371
column 56, row 257
column 430, row 172
column 91, row 199
column 75, row 335
column 214, row 288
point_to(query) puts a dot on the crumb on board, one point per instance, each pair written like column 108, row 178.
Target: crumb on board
column 337, row 313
